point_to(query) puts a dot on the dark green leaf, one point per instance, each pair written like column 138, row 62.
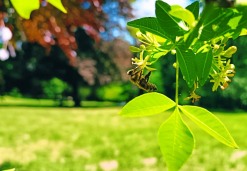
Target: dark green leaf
column 176, row 141
column 149, row 24
column 187, row 65
column 194, row 8
column 209, row 123
column 203, row 63
column 166, row 21
column 215, row 22
column 147, row 104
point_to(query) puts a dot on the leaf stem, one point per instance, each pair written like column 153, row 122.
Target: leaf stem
column 177, row 81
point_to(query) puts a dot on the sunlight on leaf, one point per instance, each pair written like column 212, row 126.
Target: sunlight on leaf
column 147, row 104
column 176, row 141
column 24, row 7
column 183, row 14
column 233, row 22
column 194, row 8
column 58, row 4
column 209, row 123
column 166, row 21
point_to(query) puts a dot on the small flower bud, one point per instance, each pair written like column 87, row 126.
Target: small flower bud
column 230, row 51
column 139, row 35
column 173, row 52
column 143, row 47
column 174, row 65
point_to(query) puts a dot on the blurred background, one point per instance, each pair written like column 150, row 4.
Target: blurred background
column 84, row 56
column 63, row 81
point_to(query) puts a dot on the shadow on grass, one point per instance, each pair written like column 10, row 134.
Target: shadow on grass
column 25, row 102
column 9, row 165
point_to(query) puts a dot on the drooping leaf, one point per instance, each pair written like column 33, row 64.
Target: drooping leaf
column 194, row 8
column 203, row 63
column 209, row 123
column 166, row 21
column 149, row 24
column 176, row 141
column 147, row 104
column 183, row 14
column 25, row 7
column 58, row 4
column 187, row 65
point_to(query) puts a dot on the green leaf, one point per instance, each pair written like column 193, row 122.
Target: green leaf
column 183, row 14
column 149, row 24
column 24, row 7
column 58, row 4
column 176, row 141
column 160, row 54
column 203, row 63
column 147, row 104
column 209, row 123
column 166, row 21
column 187, row 65
column 215, row 22
column 194, row 8
column 242, row 23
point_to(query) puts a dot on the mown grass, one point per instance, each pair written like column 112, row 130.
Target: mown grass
column 88, row 139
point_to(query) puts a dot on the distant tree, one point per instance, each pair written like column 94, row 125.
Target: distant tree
column 79, row 34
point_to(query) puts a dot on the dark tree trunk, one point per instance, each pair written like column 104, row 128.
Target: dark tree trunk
column 222, row 3
column 75, row 94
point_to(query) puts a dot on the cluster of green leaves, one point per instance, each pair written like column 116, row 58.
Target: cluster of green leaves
column 199, row 41
column 24, row 7
column 192, row 36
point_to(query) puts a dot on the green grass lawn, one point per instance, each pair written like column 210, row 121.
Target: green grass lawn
column 92, row 139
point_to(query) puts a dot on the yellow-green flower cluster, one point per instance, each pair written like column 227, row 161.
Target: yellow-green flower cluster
column 222, row 70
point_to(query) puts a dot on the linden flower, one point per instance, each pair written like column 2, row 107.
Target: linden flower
column 193, row 96
column 221, row 78
column 142, row 63
column 147, row 39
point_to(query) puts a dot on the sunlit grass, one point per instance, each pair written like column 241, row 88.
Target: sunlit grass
column 77, row 139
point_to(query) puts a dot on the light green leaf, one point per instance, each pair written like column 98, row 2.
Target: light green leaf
column 25, row 7
column 176, row 141
column 160, row 54
column 203, row 61
column 194, row 8
column 183, row 14
column 209, row 123
column 233, row 22
column 147, row 104
column 58, row 4
column 187, row 65
column 166, row 21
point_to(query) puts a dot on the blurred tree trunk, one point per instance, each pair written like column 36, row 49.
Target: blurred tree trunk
column 75, row 94
column 222, row 3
